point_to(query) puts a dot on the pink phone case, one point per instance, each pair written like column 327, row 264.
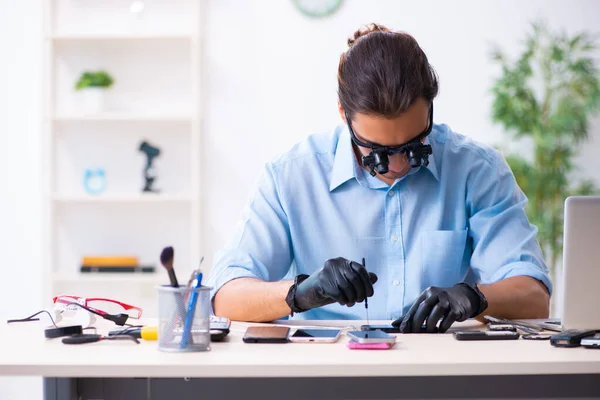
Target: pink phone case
column 368, row 346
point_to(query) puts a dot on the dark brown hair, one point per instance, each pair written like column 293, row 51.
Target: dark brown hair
column 383, row 73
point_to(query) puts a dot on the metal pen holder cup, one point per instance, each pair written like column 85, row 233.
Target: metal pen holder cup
column 182, row 326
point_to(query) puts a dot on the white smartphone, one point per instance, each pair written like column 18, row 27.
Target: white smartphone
column 316, row 335
column 375, row 336
column 592, row 342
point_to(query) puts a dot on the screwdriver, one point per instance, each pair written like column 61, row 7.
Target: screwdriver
column 143, row 332
column 83, row 338
column 366, row 301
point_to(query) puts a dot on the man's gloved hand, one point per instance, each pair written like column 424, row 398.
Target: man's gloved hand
column 457, row 303
column 339, row 280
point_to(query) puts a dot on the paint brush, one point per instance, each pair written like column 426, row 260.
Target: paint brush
column 167, row 256
column 166, row 259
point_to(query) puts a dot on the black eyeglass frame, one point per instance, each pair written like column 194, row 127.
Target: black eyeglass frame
column 416, row 152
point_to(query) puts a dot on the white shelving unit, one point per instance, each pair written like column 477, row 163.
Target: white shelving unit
column 154, row 57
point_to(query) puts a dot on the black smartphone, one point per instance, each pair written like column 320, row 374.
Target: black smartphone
column 387, row 328
column 384, row 328
column 266, row 334
column 217, row 335
column 570, row 337
column 486, row 335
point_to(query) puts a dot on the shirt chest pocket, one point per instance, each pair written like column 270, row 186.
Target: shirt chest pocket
column 442, row 254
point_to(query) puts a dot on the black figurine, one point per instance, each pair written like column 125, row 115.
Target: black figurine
column 149, row 172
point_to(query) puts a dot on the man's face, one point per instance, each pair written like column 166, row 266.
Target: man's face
column 371, row 129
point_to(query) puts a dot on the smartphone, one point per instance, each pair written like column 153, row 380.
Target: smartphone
column 316, row 335
column 217, row 335
column 371, row 337
column 221, row 323
column 352, row 345
column 383, row 328
column 388, row 328
column 266, row 334
column 501, row 327
column 486, row 335
column 570, row 337
column 219, row 328
column 592, row 342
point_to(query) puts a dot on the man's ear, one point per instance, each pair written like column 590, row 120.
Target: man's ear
column 341, row 111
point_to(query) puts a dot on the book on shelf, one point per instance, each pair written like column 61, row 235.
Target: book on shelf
column 109, row 261
column 117, row 268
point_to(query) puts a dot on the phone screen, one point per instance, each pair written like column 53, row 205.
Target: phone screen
column 316, row 333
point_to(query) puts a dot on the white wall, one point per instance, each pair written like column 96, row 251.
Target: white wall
column 270, row 82
column 20, row 173
column 272, row 78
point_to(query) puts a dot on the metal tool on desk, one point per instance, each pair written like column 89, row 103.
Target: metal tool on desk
column 530, row 329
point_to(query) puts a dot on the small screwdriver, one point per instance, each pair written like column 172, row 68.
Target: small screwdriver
column 366, row 301
column 83, row 338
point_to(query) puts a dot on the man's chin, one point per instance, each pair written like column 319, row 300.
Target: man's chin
column 395, row 175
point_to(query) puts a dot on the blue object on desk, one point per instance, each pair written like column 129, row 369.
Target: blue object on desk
column 186, row 337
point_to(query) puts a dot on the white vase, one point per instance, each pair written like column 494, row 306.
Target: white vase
column 92, row 100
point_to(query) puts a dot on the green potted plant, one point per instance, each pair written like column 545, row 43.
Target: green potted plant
column 545, row 99
column 92, row 85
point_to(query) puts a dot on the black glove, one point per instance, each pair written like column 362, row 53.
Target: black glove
column 457, row 303
column 339, row 280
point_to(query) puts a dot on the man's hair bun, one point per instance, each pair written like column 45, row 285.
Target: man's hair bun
column 365, row 30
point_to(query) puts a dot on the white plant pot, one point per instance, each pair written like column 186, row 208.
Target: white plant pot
column 92, row 100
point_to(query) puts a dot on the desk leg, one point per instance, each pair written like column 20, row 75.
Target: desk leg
column 60, row 389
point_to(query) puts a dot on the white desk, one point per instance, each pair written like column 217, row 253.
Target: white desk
column 424, row 365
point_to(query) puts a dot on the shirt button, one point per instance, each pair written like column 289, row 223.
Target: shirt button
column 394, row 238
column 391, row 193
column 396, row 282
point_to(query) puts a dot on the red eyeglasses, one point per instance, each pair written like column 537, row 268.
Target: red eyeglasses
column 101, row 305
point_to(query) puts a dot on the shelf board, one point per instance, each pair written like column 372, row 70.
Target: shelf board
column 123, row 118
column 124, row 36
column 122, row 198
column 116, row 277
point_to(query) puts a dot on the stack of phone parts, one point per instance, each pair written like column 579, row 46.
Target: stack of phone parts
column 370, row 340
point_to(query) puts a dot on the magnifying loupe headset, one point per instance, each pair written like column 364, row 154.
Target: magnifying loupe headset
column 378, row 161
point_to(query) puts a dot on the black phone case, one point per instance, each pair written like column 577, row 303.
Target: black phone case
column 384, row 328
column 217, row 335
column 486, row 335
column 264, row 340
column 570, row 338
column 387, row 328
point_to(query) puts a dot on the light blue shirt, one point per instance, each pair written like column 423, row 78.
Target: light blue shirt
column 461, row 218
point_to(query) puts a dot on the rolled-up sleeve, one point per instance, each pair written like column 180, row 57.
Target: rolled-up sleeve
column 503, row 240
column 260, row 245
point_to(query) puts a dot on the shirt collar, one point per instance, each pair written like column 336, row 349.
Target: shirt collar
column 345, row 166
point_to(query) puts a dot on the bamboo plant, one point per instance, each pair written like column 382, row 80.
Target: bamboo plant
column 546, row 97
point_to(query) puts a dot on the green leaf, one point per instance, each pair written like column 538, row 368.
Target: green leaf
column 94, row 79
column 548, row 94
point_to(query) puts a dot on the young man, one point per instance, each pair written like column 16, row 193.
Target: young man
column 438, row 219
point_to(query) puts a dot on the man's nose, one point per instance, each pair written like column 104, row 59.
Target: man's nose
column 397, row 162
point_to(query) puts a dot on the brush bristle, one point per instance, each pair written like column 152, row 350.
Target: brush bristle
column 166, row 256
